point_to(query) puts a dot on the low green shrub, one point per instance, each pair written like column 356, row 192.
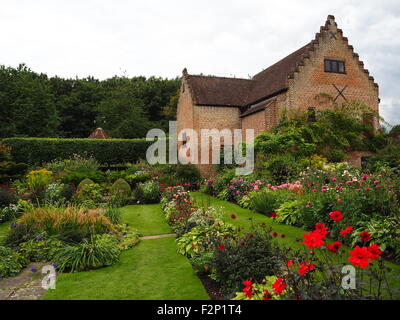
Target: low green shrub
column 120, row 192
column 97, row 252
column 11, row 262
column 264, row 201
column 148, row 192
column 40, row 249
column 89, row 194
column 290, row 213
column 236, row 259
column 137, row 178
column 7, row 197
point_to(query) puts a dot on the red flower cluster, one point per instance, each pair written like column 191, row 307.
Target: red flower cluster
column 336, row 216
column 334, row 247
column 346, row 231
column 313, row 239
column 279, row 286
column 363, row 256
column 306, row 267
column 248, row 290
column 365, row 236
column 267, row 295
column 321, row 228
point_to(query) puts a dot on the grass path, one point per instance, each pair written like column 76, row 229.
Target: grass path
column 153, row 270
column 4, row 228
column 245, row 218
column 148, row 219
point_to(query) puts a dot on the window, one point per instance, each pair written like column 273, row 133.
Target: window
column 335, row 66
column 311, row 114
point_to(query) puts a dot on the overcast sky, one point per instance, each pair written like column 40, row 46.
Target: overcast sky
column 220, row 37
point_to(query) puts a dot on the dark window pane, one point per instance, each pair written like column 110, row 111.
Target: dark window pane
column 335, row 67
column 327, row 65
column 341, row 67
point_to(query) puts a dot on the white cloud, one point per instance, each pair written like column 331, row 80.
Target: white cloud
column 225, row 37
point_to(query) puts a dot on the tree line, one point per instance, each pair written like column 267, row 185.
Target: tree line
column 35, row 105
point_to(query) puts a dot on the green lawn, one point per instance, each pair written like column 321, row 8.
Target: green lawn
column 245, row 218
column 147, row 219
column 4, row 228
column 153, row 270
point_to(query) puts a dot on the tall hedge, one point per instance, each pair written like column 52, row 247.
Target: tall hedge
column 36, row 151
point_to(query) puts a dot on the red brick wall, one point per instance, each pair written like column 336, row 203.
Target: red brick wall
column 312, row 79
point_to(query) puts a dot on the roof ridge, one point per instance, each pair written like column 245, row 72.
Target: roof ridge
column 218, row 77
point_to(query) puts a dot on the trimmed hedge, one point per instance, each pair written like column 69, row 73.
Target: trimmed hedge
column 36, row 151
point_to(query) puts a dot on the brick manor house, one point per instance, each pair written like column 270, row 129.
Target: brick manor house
column 327, row 64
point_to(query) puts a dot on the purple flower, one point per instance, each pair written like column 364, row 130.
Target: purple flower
column 33, row 269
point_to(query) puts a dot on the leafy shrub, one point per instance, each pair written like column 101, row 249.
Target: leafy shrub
column 281, row 168
column 188, row 173
column 75, row 163
column 99, row 251
column 38, row 180
column 7, row 197
column 289, row 213
column 11, row 263
column 89, row 194
column 127, row 237
column 36, row 151
column 120, row 192
column 40, row 249
column 9, row 213
column 148, row 192
column 264, row 201
column 385, row 231
column 57, row 194
column 239, row 258
column 9, row 169
column 138, row 177
column 202, row 238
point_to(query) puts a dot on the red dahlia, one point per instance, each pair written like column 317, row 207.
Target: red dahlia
column 321, row 228
column 336, row 216
column 334, row 247
column 306, row 267
column 313, row 239
column 346, row 231
column 375, row 251
column 279, row 286
column 360, row 257
column 365, row 236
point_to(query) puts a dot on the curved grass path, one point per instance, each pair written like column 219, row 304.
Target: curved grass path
column 153, row 270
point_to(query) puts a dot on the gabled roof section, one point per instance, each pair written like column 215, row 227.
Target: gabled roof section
column 220, row 91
